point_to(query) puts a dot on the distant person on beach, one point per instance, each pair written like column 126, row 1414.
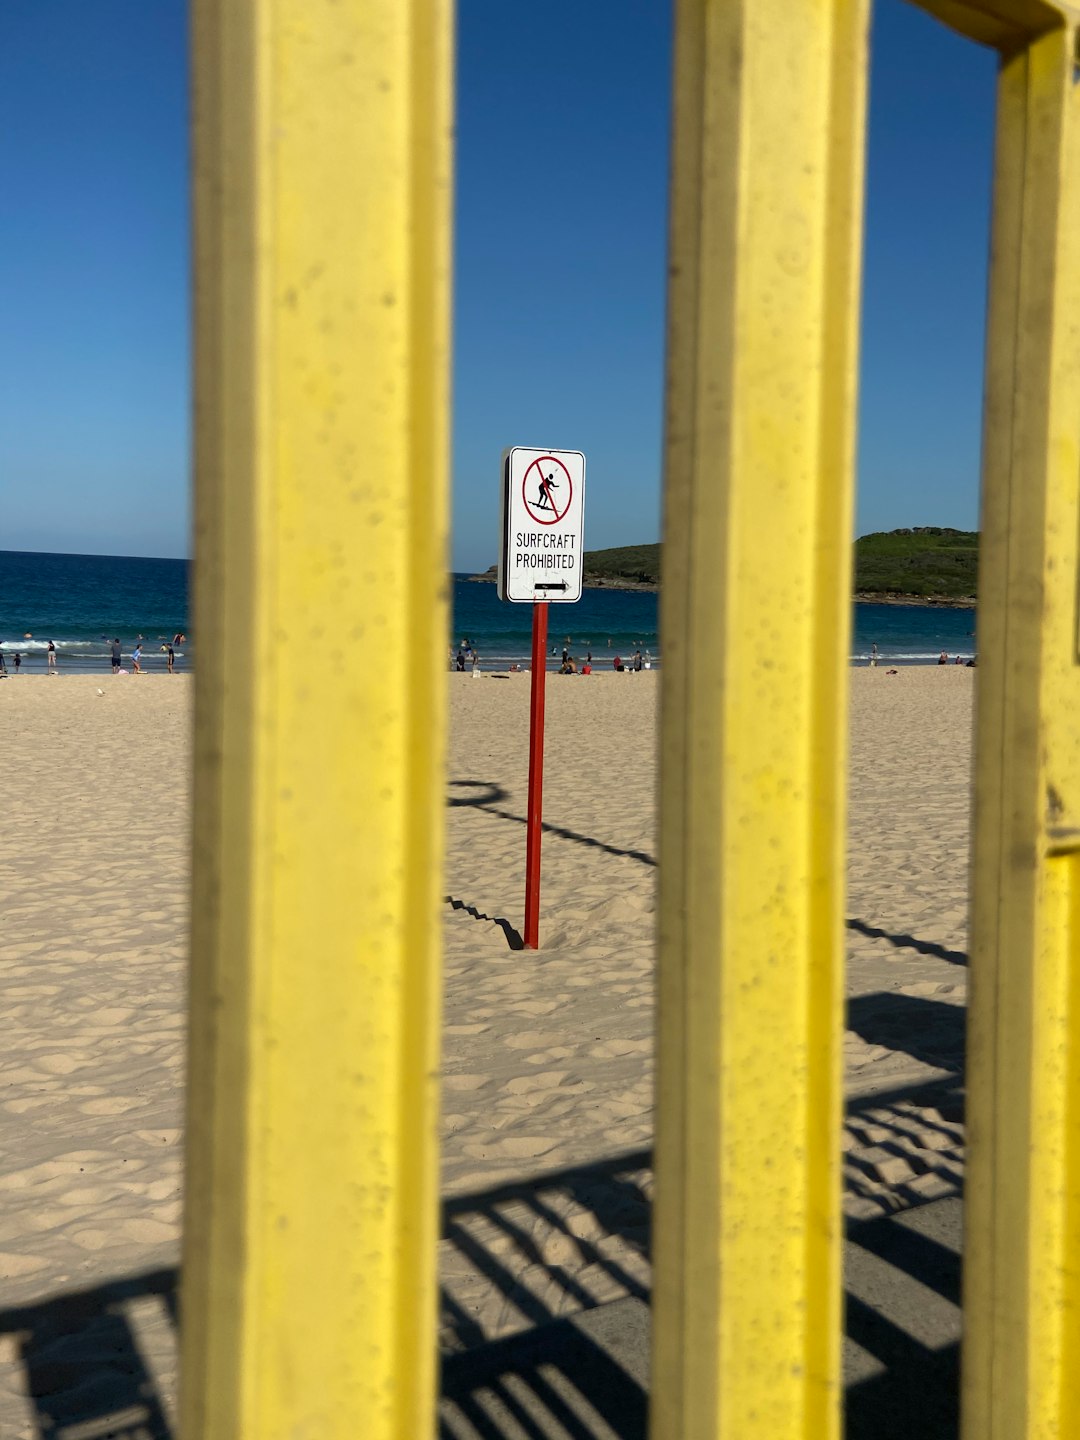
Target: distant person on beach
column 637, row 660
column 51, row 657
column 179, row 638
column 617, row 663
column 136, row 656
column 943, row 658
column 170, row 659
column 3, row 666
column 958, row 660
column 461, row 659
column 588, row 658
column 18, row 661
column 873, row 655
column 565, row 655
column 117, row 657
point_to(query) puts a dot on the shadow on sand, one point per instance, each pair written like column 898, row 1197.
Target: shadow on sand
column 575, row 1368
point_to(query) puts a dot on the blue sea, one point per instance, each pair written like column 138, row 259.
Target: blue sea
column 81, row 602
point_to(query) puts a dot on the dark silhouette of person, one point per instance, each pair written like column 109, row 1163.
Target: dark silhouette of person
column 545, row 500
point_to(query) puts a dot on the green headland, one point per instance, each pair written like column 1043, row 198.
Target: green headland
column 926, row 565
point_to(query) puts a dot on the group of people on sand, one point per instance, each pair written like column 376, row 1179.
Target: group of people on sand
column 116, row 654
column 943, row 659
column 17, row 660
column 116, row 657
column 466, row 654
column 570, row 665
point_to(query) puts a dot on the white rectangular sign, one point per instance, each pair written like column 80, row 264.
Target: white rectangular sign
column 543, row 525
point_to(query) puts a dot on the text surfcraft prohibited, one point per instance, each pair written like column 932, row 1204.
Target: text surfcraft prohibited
column 542, row 525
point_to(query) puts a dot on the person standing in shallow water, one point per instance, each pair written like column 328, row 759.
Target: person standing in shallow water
column 51, row 657
column 116, row 657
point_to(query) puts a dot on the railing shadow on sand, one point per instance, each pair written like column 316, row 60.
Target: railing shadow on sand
column 544, row 1307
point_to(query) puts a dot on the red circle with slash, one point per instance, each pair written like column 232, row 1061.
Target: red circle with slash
column 545, row 485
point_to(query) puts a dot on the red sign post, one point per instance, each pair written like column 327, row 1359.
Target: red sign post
column 541, row 555
column 535, row 810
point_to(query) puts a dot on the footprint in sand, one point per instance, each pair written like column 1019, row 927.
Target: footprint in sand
column 114, row 1105
column 149, row 1232
column 523, row 1084
column 538, row 1007
column 59, row 1064
column 545, row 1057
column 615, row 1049
column 558, row 1248
column 161, row 1190
column 20, row 1107
column 538, row 1088
column 514, row 1147
column 12, row 1266
column 465, row 1082
column 531, row 1040
column 92, row 1239
column 86, row 1197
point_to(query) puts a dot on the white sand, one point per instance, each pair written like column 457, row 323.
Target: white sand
column 547, row 1056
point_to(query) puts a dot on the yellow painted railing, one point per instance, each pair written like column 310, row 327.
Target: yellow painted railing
column 322, row 219
column 763, row 310
column 322, row 193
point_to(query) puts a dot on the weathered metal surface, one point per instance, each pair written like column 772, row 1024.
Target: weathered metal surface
column 322, row 257
column 763, row 314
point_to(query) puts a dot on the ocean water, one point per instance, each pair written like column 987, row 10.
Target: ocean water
column 81, row 601
column 618, row 622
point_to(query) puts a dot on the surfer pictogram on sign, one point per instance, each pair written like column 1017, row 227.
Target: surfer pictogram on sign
column 547, row 490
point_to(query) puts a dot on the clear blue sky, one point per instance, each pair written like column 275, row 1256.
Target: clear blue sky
column 560, row 240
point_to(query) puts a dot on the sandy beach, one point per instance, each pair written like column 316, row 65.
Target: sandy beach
column 547, row 1110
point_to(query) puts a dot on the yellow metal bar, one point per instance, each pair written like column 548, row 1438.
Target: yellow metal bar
column 1007, row 25
column 763, row 306
column 1021, row 1370
column 322, row 247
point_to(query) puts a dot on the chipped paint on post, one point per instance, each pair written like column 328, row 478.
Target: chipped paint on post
column 322, row 201
column 1021, row 1356
column 762, row 342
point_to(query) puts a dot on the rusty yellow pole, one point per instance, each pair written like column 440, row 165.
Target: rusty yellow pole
column 762, row 342
column 321, row 324
column 1021, row 1363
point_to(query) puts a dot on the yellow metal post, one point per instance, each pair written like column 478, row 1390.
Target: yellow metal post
column 1021, row 1367
column 321, row 325
column 763, row 317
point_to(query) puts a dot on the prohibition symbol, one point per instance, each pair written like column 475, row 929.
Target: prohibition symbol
column 547, row 490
